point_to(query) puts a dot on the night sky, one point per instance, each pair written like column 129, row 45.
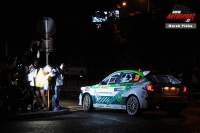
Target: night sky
column 19, row 20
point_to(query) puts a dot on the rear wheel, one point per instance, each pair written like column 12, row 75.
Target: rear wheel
column 87, row 103
column 133, row 106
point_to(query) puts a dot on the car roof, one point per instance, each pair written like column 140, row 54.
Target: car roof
column 141, row 72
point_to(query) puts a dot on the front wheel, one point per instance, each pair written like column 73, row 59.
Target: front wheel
column 132, row 106
column 87, row 103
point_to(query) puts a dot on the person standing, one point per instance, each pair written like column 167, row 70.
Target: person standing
column 7, row 70
column 55, row 84
column 42, row 75
column 31, row 78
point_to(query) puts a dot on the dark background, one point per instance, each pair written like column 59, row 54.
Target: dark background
column 19, row 18
column 76, row 36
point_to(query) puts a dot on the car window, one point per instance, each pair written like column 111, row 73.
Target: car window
column 167, row 79
column 104, row 82
column 111, row 80
column 126, row 78
column 173, row 80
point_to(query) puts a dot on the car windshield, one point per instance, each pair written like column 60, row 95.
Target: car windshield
column 160, row 78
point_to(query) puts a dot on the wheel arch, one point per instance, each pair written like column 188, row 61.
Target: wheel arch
column 135, row 96
column 84, row 96
column 130, row 105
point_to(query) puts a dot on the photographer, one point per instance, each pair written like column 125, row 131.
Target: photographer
column 55, row 84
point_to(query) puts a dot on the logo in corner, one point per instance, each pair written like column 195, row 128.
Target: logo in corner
column 180, row 17
column 181, row 13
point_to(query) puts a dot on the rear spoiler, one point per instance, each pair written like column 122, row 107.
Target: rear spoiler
column 145, row 73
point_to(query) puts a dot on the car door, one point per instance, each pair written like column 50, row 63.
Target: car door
column 128, row 82
column 119, row 88
column 106, row 91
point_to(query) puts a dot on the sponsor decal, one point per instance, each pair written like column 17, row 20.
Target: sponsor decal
column 104, row 86
column 119, row 97
column 105, row 92
column 142, row 80
column 118, row 89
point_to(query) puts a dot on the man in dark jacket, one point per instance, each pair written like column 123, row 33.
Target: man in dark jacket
column 55, row 83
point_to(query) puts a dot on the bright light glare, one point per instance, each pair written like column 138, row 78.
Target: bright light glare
column 124, row 3
column 185, row 89
column 150, row 88
column 166, row 88
column 173, row 88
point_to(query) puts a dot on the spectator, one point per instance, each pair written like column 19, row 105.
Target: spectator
column 7, row 70
column 31, row 78
column 56, row 82
column 42, row 75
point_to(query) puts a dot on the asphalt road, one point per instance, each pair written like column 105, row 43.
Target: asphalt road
column 105, row 120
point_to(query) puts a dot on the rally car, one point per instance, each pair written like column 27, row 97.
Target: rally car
column 136, row 91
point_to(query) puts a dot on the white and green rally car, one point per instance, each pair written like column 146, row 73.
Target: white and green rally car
column 135, row 91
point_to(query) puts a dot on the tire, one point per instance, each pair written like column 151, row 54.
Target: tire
column 87, row 103
column 133, row 106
